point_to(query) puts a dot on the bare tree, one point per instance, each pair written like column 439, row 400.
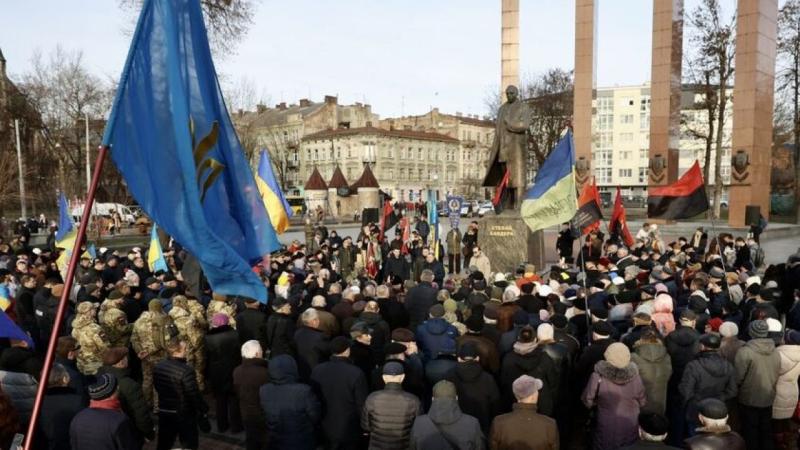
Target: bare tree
column 281, row 148
column 492, row 101
column 550, row 98
column 713, row 46
column 64, row 93
column 227, row 21
column 789, row 79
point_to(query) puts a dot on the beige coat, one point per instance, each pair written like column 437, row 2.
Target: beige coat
column 786, row 389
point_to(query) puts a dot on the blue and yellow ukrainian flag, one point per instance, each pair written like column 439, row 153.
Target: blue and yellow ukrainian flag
column 274, row 201
column 5, row 297
column 155, row 255
column 433, row 221
column 65, row 235
column 552, row 199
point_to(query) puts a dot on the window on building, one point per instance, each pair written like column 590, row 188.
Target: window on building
column 316, row 154
column 604, row 175
column 605, row 121
column 349, row 172
column 643, row 153
column 642, row 174
column 644, row 121
column 349, row 152
column 625, row 173
column 605, row 104
column 419, row 175
column 605, row 141
column 390, row 151
column 402, row 174
column 626, row 119
column 604, row 157
column 644, row 103
column 390, row 174
column 627, row 101
column 626, row 137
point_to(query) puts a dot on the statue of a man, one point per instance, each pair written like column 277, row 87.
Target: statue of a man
column 509, row 148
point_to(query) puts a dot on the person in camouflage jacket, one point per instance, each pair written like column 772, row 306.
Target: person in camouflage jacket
column 115, row 323
column 90, row 337
column 189, row 331
column 148, row 340
column 219, row 304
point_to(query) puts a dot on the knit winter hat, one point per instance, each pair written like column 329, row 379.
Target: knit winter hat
column 450, row 305
column 525, row 386
column 104, row 387
column 436, row 310
column 544, row 332
column 618, row 355
column 219, row 320
column 729, row 329
column 758, row 329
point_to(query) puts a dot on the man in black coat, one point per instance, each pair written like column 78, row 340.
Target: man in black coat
column 247, row 381
column 103, row 425
column 131, row 397
column 601, row 339
column 477, row 390
column 682, row 345
column 280, row 328
column 313, row 346
column 222, row 356
column 26, row 314
column 251, row 323
column 392, row 311
column 181, row 408
column 66, row 352
column 419, row 300
column 59, row 406
column 343, row 390
column 395, row 265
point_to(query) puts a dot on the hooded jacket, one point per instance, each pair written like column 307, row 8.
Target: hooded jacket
column 291, row 408
column 445, row 424
column 655, row 368
column 477, row 391
column 436, row 336
column 619, row 394
column 682, row 344
column 786, row 392
column 708, row 375
column 757, row 369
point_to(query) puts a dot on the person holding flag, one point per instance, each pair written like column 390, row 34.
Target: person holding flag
column 155, row 254
column 65, row 234
column 618, row 226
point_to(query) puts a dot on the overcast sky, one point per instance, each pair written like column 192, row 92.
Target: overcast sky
column 401, row 56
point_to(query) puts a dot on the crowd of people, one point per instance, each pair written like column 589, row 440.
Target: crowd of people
column 384, row 342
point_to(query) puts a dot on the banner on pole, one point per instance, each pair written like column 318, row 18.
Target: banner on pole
column 454, row 203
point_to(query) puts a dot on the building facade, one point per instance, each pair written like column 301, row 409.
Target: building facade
column 406, row 163
column 474, row 135
column 621, row 138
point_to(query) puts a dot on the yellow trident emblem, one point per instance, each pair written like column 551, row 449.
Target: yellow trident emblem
column 202, row 163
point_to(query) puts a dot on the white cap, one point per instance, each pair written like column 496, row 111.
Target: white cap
column 774, row 325
column 752, row 280
column 618, row 281
column 544, row 290
column 499, row 276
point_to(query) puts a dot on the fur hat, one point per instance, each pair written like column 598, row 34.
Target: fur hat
column 618, row 355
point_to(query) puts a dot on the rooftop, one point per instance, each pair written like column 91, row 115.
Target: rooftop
column 315, row 182
column 337, row 179
column 367, row 179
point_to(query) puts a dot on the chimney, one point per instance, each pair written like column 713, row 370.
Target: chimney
column 304, row 102
column 331, row 99
column 260, row 108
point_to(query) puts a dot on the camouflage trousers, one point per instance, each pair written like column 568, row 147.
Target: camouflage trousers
column 197, row 359
column 150, row 396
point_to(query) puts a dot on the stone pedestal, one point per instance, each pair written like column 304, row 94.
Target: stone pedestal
column 508, row 242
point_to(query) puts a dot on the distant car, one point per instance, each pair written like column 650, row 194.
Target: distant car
column 485, row 208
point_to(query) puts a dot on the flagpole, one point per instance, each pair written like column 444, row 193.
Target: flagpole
column 721, row 256
column 588, row 313
column 62, row 302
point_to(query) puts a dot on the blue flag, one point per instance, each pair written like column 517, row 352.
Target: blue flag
column 552, row 199
column 10, row 330
column 172, row 139
column 65, row 224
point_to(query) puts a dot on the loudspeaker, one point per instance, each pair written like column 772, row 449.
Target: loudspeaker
column 369, row 215
column 752, row 215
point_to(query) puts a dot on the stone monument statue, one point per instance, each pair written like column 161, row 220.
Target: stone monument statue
column 509, row 148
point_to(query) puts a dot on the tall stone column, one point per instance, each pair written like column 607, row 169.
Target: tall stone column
column 751, row 149
column 509, row 45
column 584, row 93
column 665, row 92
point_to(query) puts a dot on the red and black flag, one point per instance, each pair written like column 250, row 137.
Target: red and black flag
column 618, row 226
column 588, row 216
column 682, row 199
column 499, row 192
column 389, row 217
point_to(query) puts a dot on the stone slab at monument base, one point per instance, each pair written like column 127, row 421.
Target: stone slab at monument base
column 508, row 242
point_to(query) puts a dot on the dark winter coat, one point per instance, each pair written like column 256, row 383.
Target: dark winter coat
column 291, row 408
column 280, row 334
column 531, row 303
column 312, row 349
column 393, row 312
column 487, row 351
column 223, row 354
column 251, row 324
column 536, row 364
column 655, row 369
column 247, row 381
column 682, row 344
column 438, row 270
column 343, row 390
column 396, row 266
column 758, row 367
column 477, row 392
column 435, row 336
column 176, row 385
column 419, row 300
column 59, row 406
column 708, row 375
column 619, row 395
column 132, row 401
column 649, row 445
column 445, row 424
column 414, row 380
column 23, row 360
column 102, row 429
column 524, row 429
column 591, row 355
column 437, row 369
column 723, row 439
column 21, row 391
column 381, row 334
column 388, row 417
